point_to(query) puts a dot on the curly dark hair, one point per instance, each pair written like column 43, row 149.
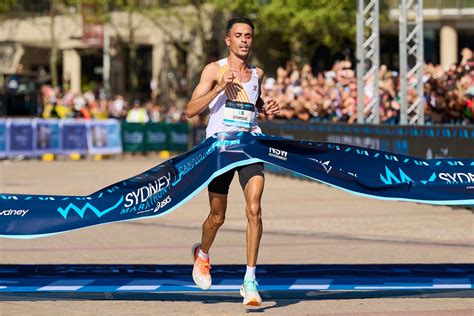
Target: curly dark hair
column 238, row 19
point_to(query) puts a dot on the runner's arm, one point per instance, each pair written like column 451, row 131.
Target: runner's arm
column 205, row 91
column 268, row 106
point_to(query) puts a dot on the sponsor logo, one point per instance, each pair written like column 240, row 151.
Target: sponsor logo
column 153, row 204
column 11, row 212
column 179, row 138
column 449, row 178
column 457, row 177
column 162, row 204
column 142, row 194
column 324, row 164
column 278, row 153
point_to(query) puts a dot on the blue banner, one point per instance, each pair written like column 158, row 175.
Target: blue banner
column 47, row 136
column 428, row 141
column 21, row 137
column 103, row 137
column 3, row 138
column 167, row 186
column 74, row 136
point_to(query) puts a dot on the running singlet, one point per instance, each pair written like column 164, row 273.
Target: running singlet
column 234, row 108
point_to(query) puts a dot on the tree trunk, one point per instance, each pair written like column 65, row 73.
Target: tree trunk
column 53, row 57
column 132, row 56
column 296, row 51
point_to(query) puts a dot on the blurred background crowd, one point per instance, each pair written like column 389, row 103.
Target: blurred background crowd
column 140, row 60
column 332, row 95
column 56, row 103
column 329, row 96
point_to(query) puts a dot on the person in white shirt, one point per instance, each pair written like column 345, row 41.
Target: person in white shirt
column 230, row 88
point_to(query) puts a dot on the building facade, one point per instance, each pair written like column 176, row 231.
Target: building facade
column 448, row 28
column 165, row 50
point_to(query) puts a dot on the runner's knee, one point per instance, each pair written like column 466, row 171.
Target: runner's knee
column 217, row 219
column 254, row 212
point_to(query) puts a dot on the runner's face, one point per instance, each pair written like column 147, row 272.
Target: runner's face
column 239, row 40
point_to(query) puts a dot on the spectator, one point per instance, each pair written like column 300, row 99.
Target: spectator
column 332, row 95
column 137, row 114
column 327, row 96
column 117, row 108
column 155, row 113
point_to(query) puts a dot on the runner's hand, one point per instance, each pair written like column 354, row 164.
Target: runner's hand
column 227, row 78
column 270, row 106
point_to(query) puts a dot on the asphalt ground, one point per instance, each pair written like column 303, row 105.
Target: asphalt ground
column 304, row 223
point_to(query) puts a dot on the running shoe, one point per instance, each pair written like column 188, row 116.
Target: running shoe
column 201, row 269
column 249, row 292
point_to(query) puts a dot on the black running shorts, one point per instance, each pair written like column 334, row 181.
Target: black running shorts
column 221, row 183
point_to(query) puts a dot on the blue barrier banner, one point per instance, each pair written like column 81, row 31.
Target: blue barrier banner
column 73, row 136
column 167, row 186
column 3, row 138
column 104, row 137
column 47, row 136
column 21, row 137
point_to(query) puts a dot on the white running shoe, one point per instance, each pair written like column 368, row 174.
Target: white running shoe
column 201, row 269
column 249, row 292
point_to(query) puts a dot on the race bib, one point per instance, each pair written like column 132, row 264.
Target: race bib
column 239, row 114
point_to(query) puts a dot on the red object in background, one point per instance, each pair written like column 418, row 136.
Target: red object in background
column 93, row 35
column 470, row 105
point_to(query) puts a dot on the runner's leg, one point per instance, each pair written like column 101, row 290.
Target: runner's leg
column 253, row 195
column 215, row 219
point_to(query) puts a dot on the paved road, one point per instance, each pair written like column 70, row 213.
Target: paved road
column 304, row 222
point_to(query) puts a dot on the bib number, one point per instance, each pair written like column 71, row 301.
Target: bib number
column 239, row 114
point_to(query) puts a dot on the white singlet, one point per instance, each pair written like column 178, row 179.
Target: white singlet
column 245, row 93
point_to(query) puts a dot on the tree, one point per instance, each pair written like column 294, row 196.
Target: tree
column 311, row 23
column 189, row 28
column 100, row 12
column 132, row 8
column 7, row 5
column 302, row 25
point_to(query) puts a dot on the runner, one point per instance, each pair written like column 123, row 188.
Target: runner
column 230, row 88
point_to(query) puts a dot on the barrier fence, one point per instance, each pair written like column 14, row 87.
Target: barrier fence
column 35, row 137
column 155, row 137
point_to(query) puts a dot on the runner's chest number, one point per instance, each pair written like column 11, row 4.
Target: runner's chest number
column 240, row 114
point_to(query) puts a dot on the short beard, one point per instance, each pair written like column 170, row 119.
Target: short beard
column 242, row 56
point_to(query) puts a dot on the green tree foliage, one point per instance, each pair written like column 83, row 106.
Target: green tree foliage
column 7, row 5
column 303, row 25
column 306, row 24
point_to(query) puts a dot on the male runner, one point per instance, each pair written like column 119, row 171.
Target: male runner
column 230, row 88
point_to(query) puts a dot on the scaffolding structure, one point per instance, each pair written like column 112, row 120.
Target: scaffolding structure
column 411, row 62
column 368, row 36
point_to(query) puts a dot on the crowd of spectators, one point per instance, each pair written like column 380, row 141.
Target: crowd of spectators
column 329, row 96
column 332, row 95
column 66, row 104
